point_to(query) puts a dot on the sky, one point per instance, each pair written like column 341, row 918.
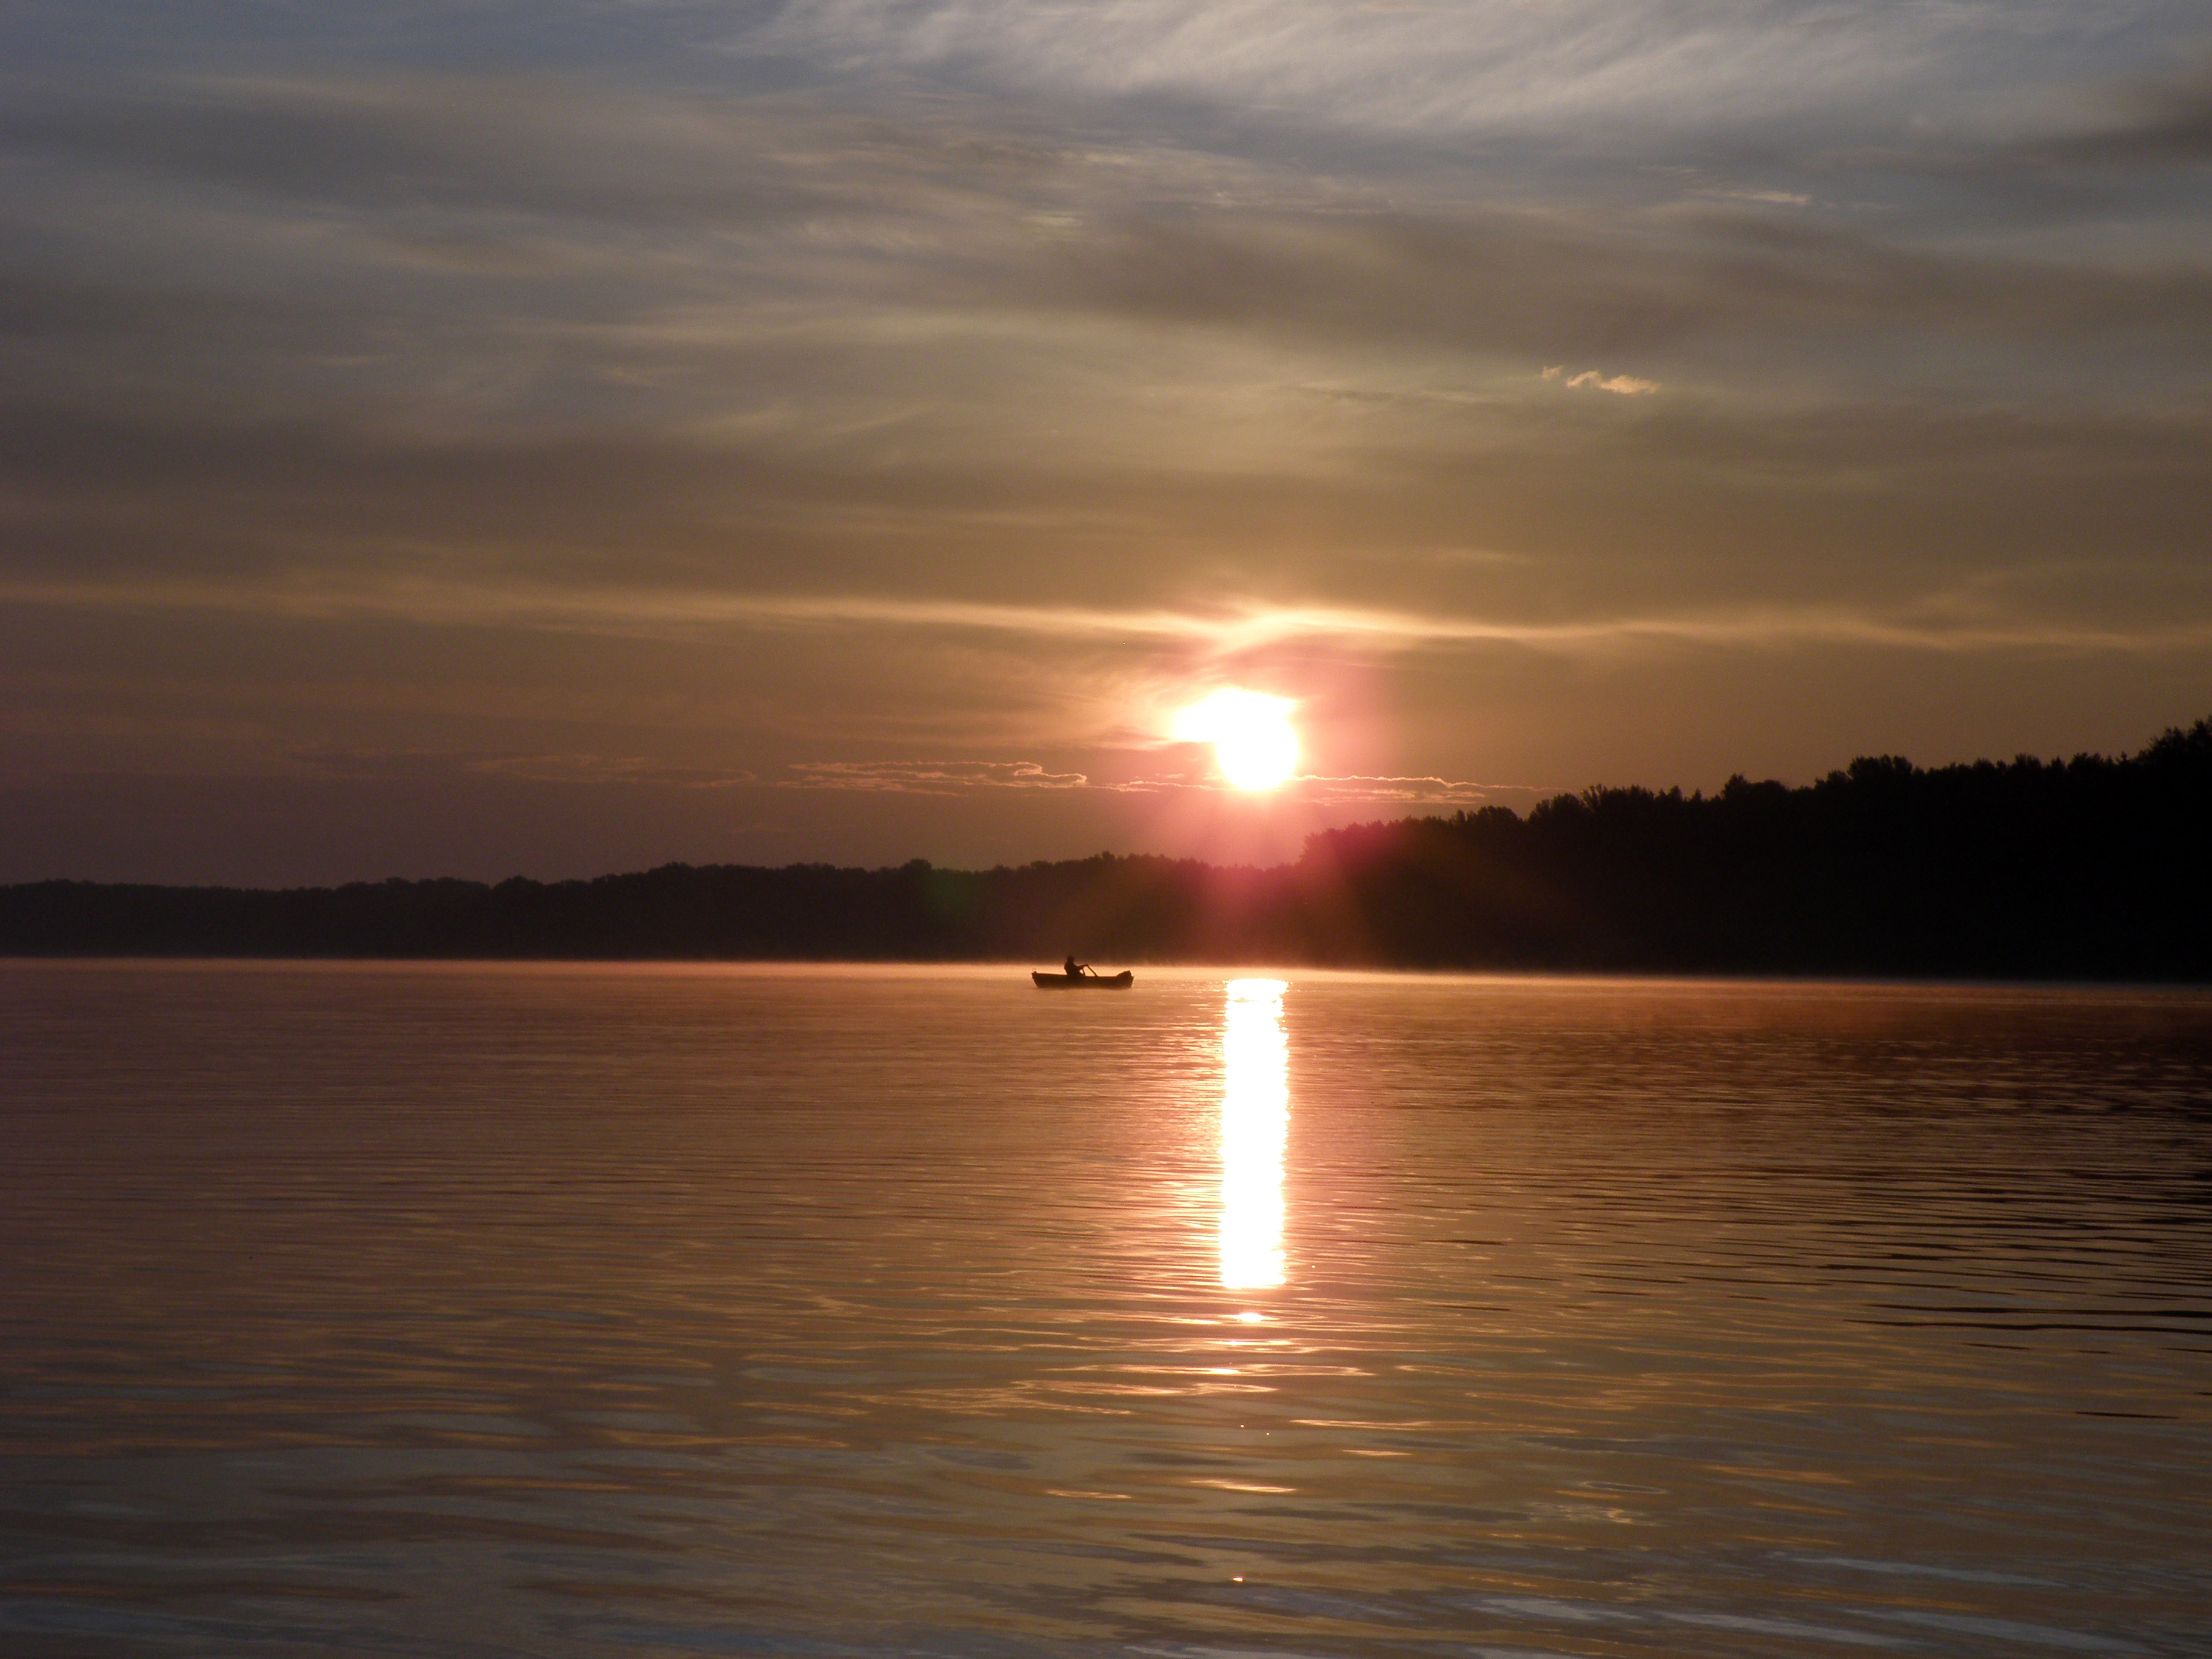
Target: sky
column 485, row 438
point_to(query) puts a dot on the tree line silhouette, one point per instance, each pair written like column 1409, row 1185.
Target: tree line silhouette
column 2091, row 868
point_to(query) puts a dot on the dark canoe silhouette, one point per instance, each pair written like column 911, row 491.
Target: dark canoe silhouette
column 1092, row 981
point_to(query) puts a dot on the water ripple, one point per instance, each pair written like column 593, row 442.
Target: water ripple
column 577, row 1311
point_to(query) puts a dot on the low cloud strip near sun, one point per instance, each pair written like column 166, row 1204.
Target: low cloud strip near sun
column 780, row 399
column 1957, row 622
column 927, row 777
column 953, row 778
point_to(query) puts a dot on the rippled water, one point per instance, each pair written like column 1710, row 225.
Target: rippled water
column 467, row 1310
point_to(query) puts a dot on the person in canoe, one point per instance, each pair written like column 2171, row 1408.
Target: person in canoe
column 1074, row 975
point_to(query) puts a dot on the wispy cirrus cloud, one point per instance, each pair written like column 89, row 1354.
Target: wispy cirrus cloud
column 1454, row 66
column 1625, row 386
column 950, row 777
column 1405, row 791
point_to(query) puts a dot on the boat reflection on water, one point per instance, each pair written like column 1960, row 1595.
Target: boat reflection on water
column 1256, row 1121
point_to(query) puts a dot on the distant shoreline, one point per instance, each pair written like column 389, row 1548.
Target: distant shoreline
column 2095, row 871
column 1015, row 971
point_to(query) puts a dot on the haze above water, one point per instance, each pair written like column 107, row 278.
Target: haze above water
column 483, row 1310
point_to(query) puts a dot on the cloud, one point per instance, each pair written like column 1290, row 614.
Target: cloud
column 1771, row 198
column 2160, row 122
column 1742, row 529
column 1453, row 68
column 518, row 255
column 961, row 777
column 1314, row 789
column 512, row 145
column 578, row 768
column 927, row 378
column 1509, row 280
column 612, row 769
column 1627, row 386
column 1431, row 790
column 1935, row 621
column 952, row 777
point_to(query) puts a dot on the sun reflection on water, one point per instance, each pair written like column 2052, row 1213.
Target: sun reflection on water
column 1256, row 1121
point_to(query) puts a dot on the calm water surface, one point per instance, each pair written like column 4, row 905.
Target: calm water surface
column 468, row 1310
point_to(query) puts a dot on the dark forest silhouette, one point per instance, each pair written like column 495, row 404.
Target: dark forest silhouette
column 2088, row 868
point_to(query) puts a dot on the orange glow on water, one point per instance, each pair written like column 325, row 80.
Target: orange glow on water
column 1256, row 1121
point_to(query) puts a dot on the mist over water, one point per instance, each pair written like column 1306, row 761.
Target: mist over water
column 465, row 1311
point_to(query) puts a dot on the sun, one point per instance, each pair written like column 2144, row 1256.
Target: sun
column 1254, row 742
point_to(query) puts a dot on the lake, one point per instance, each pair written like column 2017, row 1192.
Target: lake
column 467, row 1310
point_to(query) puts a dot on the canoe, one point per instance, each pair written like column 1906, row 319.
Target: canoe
column 1120, row 982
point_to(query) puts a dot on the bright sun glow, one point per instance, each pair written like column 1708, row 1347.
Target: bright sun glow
column 1253, row 741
